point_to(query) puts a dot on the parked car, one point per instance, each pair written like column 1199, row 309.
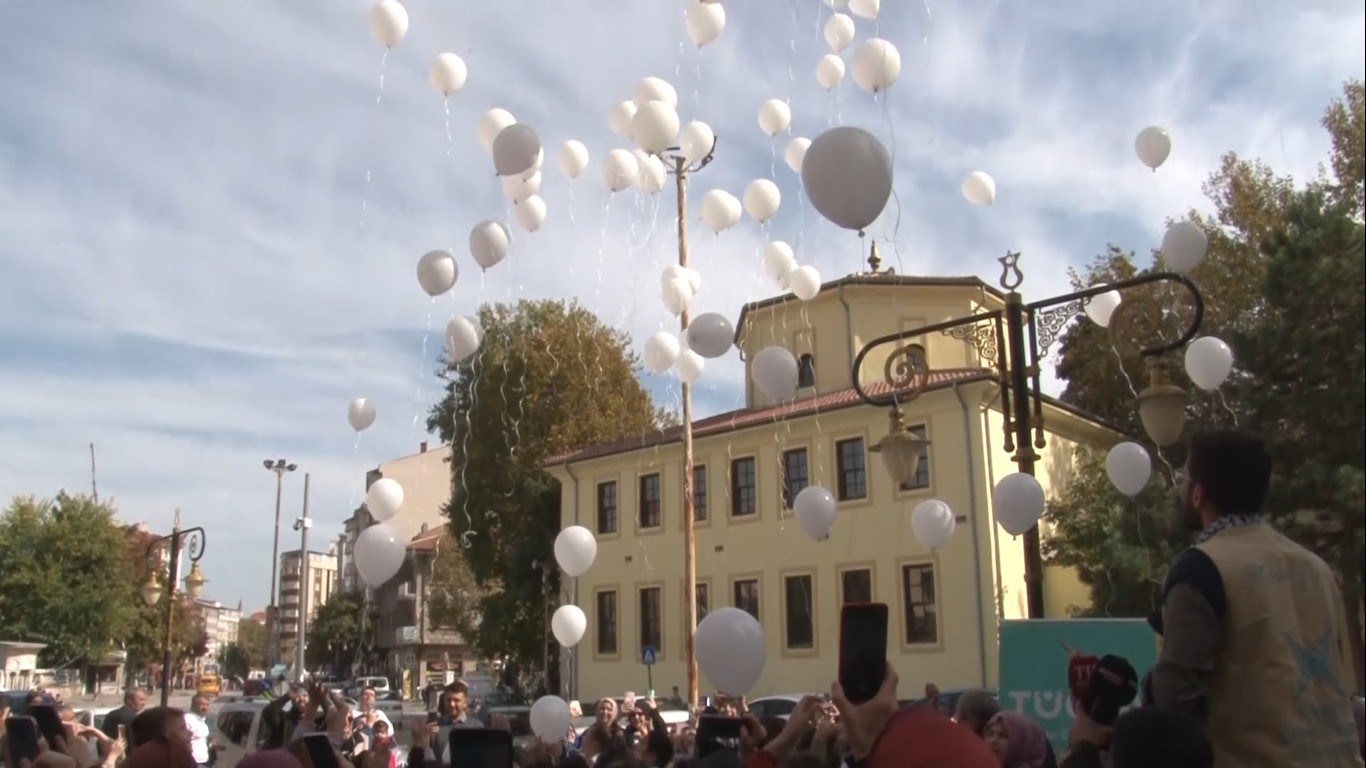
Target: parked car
column 238, row 729
column 780, row 705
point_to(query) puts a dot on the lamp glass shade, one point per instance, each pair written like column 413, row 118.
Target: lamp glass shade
column 1162, row 409
column 194, row 583
column 151, row 591
column 900, row 455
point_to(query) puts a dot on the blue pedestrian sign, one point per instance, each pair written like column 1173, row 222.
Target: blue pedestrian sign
column 647, row 655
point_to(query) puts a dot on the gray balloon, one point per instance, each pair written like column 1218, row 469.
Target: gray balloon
column 847, row 175
column 710, row 335
column 515, row 150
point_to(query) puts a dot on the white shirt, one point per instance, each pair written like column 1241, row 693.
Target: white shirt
column 199, row 737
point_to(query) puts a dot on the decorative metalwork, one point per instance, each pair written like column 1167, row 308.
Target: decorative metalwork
column 1048, row 323
column 1137, row 321
column 680, row 163
column 906, row 380
column 898, row 372
column 982, row 337
column 1011, row 276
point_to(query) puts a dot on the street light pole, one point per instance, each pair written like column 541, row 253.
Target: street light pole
column 189, row 542
column 1015, row 340
column 302, row 525
column 279, row 467
column 681, row 170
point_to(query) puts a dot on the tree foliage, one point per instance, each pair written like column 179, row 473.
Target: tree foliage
column 251, row 638
column 548, row 378
column 1283, row 286
column 453, row 594
column 336, row 631
column 146, row 633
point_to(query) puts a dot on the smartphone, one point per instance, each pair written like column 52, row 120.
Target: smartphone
column 433, row 718
column 480, row 748
column 863, row 650
column 320, row 750
column 715, row 732
column 49, row 722
column 21, row 735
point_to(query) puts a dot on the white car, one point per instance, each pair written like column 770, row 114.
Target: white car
column 780, row 705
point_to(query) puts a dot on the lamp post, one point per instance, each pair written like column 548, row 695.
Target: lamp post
column 279, row 467
column 189, row 542
column 1015, row 339
column 302, row 524
column 681, row 169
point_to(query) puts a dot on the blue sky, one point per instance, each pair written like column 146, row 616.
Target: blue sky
column 208, row 227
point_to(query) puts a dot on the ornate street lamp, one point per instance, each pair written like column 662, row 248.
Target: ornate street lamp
column 191, row 543
column 1015, row 339
column 280, row 467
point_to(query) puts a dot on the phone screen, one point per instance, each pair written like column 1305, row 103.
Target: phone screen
column 49, row 722
column 21, row 735
column 481, row 748
column 863, row 650
column 433, row 718
column 320, row 750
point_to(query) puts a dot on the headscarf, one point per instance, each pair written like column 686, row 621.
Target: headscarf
column 1028, row 744
column 921, row 737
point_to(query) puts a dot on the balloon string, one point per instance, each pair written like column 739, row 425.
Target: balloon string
column 1219, row 396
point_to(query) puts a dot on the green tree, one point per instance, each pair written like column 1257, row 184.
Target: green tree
column 548, row 378
column 336, row 631
column 453, row 594
column 251, row 638
column 233, row 661
column 64, row 581
column 145, row 635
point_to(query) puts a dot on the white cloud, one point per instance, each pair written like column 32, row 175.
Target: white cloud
column 190, row 280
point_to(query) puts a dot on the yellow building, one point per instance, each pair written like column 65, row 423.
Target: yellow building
column 945, row 605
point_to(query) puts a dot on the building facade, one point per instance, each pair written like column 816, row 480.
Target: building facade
column 296, row 599
column 751, row 463
column 220, row 623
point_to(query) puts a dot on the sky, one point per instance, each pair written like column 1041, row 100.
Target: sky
column 211, row 213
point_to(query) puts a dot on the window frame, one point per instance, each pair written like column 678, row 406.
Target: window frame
column 641, row 480
column 806, row 371
column 905, row 608
column 841, row 491
column 734, row 489
column 809, row 574
column 744, row 578
column 615, row 653
column 616, row 508
column 701, row 583
column 865, row 566
column 641, row 589
column 787, row 496
column 927, row 462
column 701, row 513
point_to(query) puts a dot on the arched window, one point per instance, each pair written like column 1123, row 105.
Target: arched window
column 806, row 371
column 916, row 358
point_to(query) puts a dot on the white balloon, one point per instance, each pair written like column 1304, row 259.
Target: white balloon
column 515, row 150
column 573, row 158
column 568, row 624
column 676, row 293
column 730, row 650
column 530, row 213
column 655, row 89
column 575, row 550
column 805, row 282
column 689, row 366
column 652, row 174
column 1102, row 306
column 762, row 199
column 796, row 153
column 620, row 169
column 696, row 141
column 379, row 554
column 694, row 279
column 847, row 176
column 448, row 73
column 655, row 127
column 463, row 335
column 519, row 188
column 704, row 22
column 1017, row 501
column 492, row 123
column 661, row 350
column 489, row 241
column 933, row 523
column 711, row 335
column 384, row 498
column 876, row 64
column 867, row 9
column 839, row 32
column 1129, row 467
column 1153, row 146
column 1209, row 362
column 436, row 272
column 720, row 210
column 360, row 414
column 774, row 371
column 774, row 116
column 830, row 71
column 619, row 118
column 837, row 3
column 550, row 718
column 814, row 509
column 388, row 22
column 688, row 274
column 779, row 261
column 1184, row 246
column 979, row 188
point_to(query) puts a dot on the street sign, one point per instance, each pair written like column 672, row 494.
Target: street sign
column 410, row 659
column 647, row 655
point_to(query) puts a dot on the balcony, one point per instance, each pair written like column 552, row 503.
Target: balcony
column 406, row 591
column 405, row 636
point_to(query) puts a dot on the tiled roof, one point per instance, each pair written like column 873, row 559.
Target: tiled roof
column 427, row 541
column 749, row 417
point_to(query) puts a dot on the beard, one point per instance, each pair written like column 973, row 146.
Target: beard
column 1190, row 516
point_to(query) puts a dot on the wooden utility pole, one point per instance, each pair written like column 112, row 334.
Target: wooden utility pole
column 94, row 486
column 689, row 534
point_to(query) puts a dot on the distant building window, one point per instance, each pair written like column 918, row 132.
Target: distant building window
column 607, row 507
column 796, row 474
column 799, row 612
column 651, row 618
column 607, row 623
column 699, row 493
column 856, row 585
column 916, row 359
column 703, row 601
column 922, row 472
column 649, row 501
column 806, row 371
column 918, row 604
column 746, row 596
column 744, row 496
column 852, row 469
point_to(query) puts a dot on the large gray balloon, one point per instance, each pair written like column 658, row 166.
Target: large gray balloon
column 847, row 175
column 515, row 150
column 710, row 335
